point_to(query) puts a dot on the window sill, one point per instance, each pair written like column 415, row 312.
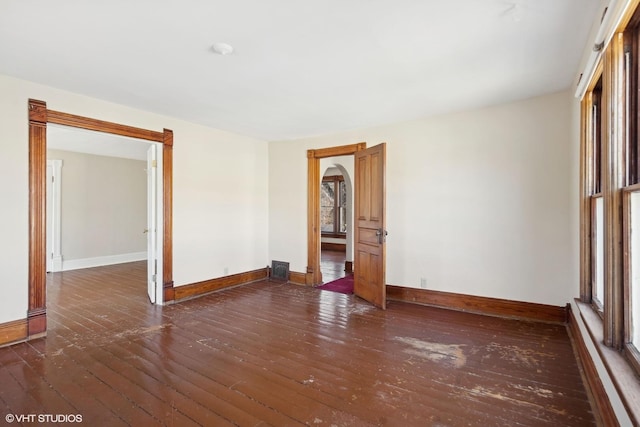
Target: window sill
column 620, row 372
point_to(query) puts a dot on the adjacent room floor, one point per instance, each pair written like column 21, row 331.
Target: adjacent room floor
column 332, row 265
column 280, row 354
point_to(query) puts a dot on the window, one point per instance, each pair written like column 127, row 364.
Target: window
column 610, row 184
column 333, row 205
column 597, row 287
column 610, row 206
column 597, row 203
column 631, row 193
column 632, row 269
column 632, row 78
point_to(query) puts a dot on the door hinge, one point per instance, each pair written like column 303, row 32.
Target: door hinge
column 154, row 163
column 153, row 278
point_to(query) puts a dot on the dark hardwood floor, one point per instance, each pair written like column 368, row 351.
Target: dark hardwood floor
column 280, row 354
column 332, row 265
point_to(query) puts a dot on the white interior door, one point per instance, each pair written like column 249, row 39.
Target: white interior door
column 49, row 216
column 152, row 224
column 54, row 255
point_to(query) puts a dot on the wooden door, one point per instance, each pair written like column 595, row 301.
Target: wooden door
column 369, row 218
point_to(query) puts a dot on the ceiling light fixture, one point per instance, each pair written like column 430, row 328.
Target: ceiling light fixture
column 222, row 48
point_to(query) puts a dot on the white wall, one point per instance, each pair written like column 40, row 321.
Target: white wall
column 574, row 198
column 103, row 205
column 220, row 191
column 478, row 202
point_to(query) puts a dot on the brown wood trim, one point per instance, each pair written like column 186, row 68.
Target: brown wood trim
column 632, row 355
column 37, row 322
column 627, row 16
column 314, row 274
column 619, row 369
column 167, row 189
column 342, row 150
column 12, row 332
column 39, row 116
column 348, row 266
column 297, row 278
column 632, row 188
column 309, row 279
column 627, row 271
column 603, row 411
column 613, row 161
column 37, row 312
column 586, row 189
column 338, row 247
column 313, row 217
column 206, row 286
column 334, row 235
column 479, row 305
column 81, row 122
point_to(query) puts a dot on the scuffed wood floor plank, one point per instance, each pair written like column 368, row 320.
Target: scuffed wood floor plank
column 280, row 354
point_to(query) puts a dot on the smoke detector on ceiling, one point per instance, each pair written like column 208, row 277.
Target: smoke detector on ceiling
column 222, row 48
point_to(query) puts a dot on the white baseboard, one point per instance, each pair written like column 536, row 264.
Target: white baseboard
column 75, row 264
column 57, row 263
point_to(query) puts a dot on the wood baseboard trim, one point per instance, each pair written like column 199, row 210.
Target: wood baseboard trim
column 338, row 247
column 14, row 332
column 348, row 267
column 201, row 288
column 479, row 305
column 168, row 293
column 297, row 278
column 37, row 323
column 603, row 411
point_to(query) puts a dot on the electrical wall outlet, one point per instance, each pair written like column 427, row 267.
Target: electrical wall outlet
column 423, row 282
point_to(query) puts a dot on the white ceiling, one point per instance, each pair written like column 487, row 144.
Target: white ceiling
column 300, row 68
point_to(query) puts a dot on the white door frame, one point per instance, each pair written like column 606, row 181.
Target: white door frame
column 54, row 187
column 155, row 231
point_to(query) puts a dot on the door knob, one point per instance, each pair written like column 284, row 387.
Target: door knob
column 382, row 235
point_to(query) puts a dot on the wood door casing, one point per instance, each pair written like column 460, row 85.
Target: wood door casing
column 313, row 275
column 39, row 116
column 369, row 218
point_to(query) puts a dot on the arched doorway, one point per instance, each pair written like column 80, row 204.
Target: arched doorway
column 336, row 217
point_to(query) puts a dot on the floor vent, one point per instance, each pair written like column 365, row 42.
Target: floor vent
column 279, row 270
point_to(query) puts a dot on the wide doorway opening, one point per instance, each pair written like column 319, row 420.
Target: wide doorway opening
column 103, row 205
column 161, row 156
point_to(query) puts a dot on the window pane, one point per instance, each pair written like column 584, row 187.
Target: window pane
column 634, row 309
column 343, row 194
column 343, row 219
column 327, row 194
column 327, row 219
column 598, row 289
column 597, row 137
